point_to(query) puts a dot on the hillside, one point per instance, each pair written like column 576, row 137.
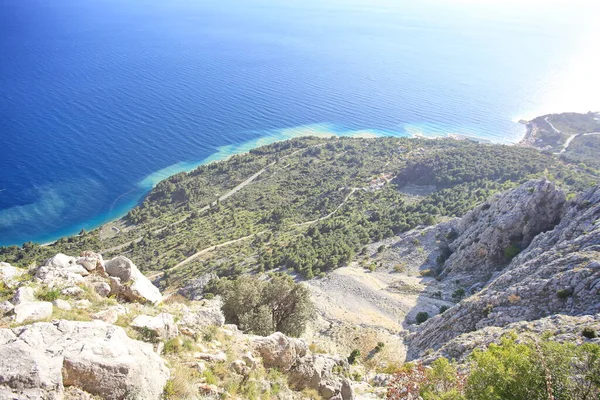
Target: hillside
column 409, row 250
column 574, row 137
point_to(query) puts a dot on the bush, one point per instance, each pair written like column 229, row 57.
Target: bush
column 354, row 355
column 49, row 294
column 458, row 294
column 589, row 333
column 563, row 294
column 443, row 309
column 511, row 251
column 379, row 347
column 422, row 317
column 381, row 248
column 261, row 308
column 173, row 346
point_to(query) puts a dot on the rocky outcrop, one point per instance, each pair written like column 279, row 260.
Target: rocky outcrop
column 127, row 281
column 565, row 329
column 9, row 274
column 162, row 326
column 316, row 371
column 558, row 273
column 279, row 351
column 40, row 360
column 491, row 234
column 305, row 370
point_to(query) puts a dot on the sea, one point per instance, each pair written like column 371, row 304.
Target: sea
column 102, row 99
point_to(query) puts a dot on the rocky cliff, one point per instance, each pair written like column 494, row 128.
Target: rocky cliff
column 525, row 256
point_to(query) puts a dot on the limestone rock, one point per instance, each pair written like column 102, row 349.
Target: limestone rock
column 6, row 307
column 131, row 283
column 557, row 273
column 102, row 288
column 163, row 325
column 32, row 311
column 201, row 315
column 62, row 304
column 91, row 261
column 110, row 315
column 279, row 351
column 60, row 261
column 194, row 289
column 40, row 360
column 316, row 372
column 23, row 295
column 73, row 291
column 9, row 274
column 488, row 234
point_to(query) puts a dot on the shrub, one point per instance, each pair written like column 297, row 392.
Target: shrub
column 262, row 308
column 381, row 248
column 563, row 294
column 422, row 317
column 379, row 347
column 354, row 355
column 49, row 294
column 589, row 333
column 173, row 346
column 511, row 251
column 458, row 294
column 443, row 309
column 372, row 267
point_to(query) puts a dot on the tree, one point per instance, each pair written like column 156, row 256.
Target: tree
column 263, row 307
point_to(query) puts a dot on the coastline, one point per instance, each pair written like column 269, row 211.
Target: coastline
column 145, row 185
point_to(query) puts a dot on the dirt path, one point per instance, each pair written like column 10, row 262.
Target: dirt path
column 205, row 208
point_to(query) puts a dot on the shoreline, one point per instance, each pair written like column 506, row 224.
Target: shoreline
column 223, row 153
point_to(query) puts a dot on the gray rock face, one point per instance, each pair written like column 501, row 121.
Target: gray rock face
column 129, row 282
column 558, row 273
column 566, row 329
column 489, row 233
column 40, row 360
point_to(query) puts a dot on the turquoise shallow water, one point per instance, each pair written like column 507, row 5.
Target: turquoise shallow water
column 101, row 99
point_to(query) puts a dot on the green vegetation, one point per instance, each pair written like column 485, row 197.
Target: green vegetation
column 310, row 206
column 531, row 369
column 589, row 333
column 584, row 151
column 354, row 356
column 421, row 317
column 263, row 307
column 563, row 294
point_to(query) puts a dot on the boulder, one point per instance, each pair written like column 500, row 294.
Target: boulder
column 9, row 274
column 127, row 281
column 91, row 261
column 6, row 307
column 33, row 311
column 40, row 360
column 62, row 304
column 61, row 270
column 201, row 315
column 60, row 261
column 279, row 351
column 23, row 295
column 316, row 372
column 163, row 325
column 102, row 288
column 110, row 315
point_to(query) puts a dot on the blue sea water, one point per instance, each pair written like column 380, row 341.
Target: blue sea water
column 100, row 99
